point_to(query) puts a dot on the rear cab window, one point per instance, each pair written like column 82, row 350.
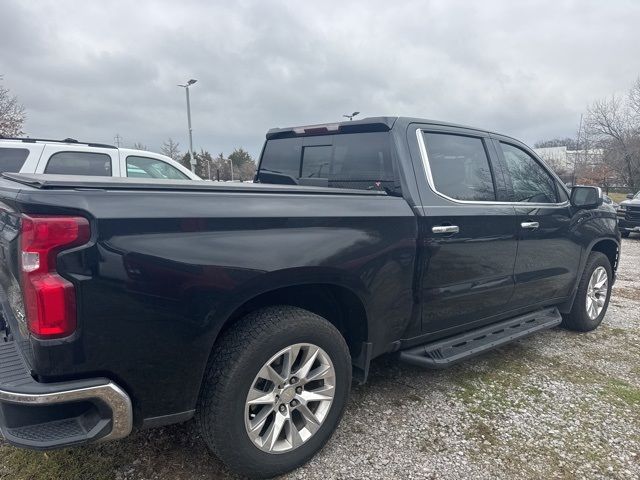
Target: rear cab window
column 12, row 159
column 348, row 160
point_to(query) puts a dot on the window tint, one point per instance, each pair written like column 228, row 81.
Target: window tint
column 79, row 163
column 281, row 161
column 316, row 161
column 361, row 160
column 530, row 182
column 144, row 167
column 459, row 166
column 12, row 159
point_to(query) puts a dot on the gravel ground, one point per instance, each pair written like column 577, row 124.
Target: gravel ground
column 555, row 405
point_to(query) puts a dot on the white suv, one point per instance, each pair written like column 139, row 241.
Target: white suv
column 70, row 157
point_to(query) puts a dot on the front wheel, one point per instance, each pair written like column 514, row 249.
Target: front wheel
column 592, row 298
column 274, row 392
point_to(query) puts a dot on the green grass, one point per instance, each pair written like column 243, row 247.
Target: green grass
column 623, row 392
column 617, row 197
column 95, row 463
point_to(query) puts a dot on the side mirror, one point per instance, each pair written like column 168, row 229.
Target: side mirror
column 630, row 196
column 586, row 197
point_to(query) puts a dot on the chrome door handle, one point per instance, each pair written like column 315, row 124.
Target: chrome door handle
column 530, row 225
column 445, row 229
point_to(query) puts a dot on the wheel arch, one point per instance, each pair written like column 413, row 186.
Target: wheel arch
column 607, row 246
column 338, row 304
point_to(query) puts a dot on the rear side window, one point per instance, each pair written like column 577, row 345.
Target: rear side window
column 459, row 167
column 361, row 161
column 530, row 181
column 12, row 159
column 144, row 167
column 79, row 163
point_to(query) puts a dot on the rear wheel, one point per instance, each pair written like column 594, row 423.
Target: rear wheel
column 275, row 389
column 592, row 298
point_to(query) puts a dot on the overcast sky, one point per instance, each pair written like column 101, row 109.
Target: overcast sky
column 90, row 70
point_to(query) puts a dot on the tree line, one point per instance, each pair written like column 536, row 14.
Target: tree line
column 239, row 165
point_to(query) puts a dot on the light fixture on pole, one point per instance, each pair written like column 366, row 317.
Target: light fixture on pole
column 350, row 117
column 186, row 88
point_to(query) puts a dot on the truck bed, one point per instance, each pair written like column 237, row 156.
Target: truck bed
column 53, row 182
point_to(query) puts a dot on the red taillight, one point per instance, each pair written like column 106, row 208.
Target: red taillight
column 49, row 299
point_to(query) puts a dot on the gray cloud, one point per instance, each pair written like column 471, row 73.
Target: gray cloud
column 94, row 69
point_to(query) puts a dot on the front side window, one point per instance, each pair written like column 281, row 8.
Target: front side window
column 459, row 166
column 12, row 159
column 530, row 181
column 144, row 167
column 79, row 163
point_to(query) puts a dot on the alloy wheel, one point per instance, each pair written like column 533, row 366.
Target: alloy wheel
column 290, row 398
column 597, row 290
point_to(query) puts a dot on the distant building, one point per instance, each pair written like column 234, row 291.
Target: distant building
column 560, row 158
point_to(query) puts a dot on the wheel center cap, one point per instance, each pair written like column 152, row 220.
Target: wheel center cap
column 287, row 394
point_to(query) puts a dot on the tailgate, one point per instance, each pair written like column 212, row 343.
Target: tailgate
column 10, row 291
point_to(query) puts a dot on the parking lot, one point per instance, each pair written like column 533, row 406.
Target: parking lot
column 556, row 405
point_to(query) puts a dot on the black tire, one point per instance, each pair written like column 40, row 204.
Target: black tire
column 578, row 319
column 625, row 234
column 235, row 361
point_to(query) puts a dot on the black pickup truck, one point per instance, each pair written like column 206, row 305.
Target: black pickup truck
column 629, row 215
column 130, row 303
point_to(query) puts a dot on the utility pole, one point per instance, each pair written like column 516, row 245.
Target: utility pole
column 231, row 165
column 575, row 157
column 186, row 88
column 117, row 139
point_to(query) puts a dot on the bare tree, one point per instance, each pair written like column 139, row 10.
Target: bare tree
column 139, row 146
column 615, row 125
column 12, row 114
column 171, row 149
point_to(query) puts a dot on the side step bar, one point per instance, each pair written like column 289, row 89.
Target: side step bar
column 444, row 353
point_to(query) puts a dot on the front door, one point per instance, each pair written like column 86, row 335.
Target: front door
column 548, row 257
column 469, row 235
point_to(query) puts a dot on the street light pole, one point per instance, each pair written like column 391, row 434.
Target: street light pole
column 191, row 159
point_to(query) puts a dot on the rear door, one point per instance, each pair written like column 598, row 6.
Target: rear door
column 65, row 159
column 548, row 255
column 468, row 234
column 141, row 166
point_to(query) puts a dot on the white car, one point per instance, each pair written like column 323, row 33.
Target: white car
column 70, row 157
